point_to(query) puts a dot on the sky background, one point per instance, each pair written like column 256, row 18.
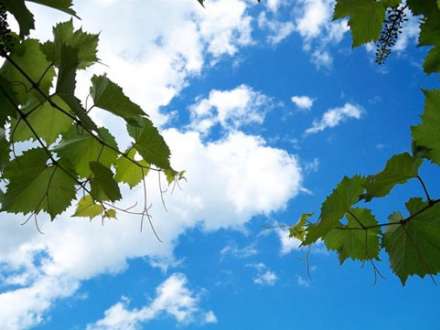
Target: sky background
column 266, row 107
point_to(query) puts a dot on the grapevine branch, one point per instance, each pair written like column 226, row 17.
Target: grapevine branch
column 56, row 164
column 75, row 119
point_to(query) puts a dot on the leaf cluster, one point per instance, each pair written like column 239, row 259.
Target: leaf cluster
column 345, row 224
column 64, row 153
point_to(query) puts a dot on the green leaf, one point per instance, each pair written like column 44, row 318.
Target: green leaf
column 66, row 86
column 149, row 143
column 29, row 58
column 299, row 230
column 352, row 240
column 430, row 27
column 35, row 186
column 79, row 148
column 62, row 5
column 48, row 122
column 432, row 61
column 128, row 172
column 427, row 134
column 4, row 149
column 110, row 214
column 104, row 187
column 109, row 96
column 366, row 18
column 414, row 205
column 7, row 102
column 84, row 44
column 336, row 205
column 399, row 169
column 87, row 208
column 414, row 247
column 23, row 16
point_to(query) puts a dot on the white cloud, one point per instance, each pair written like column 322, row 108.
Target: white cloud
column 228, row 182
column 265, row 276
column 172, row 297
column 334, row 117
column 237, row 252
column 314, row 23
column 410, row 32
column 322, row 59
column 277, row 30
column 288, row 244
column 315, row 14
column 301, row 281
column 231, row 109
column 312, row 166
column 303, row 102
column 156, row 46
column 210, row 318
column 153, row 51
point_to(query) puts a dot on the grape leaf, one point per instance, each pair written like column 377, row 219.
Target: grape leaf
column 87, row 208
column 62, row 5
column 352, row 240
column 427, row 134
column 110, row 214
column 432, row 61
column 7, row 101
column 430, row 27
column 399, row 169
column 104, row 187
column 109, row 96
column 80, row 149
column 29, row 57
column 149, row 143
column 128, row 172
column 414, row 205
column 85, row 45
column 47, row 121
column 299, row 230
column 21, row 13
column 366, row 18
column 66, row 85
column 335, row 207
column 414, row 247
column 4, row 149
column 35, row 186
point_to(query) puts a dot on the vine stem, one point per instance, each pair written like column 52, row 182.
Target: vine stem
column 428, row 197
column 55, row 162
column 401, row 222
column 75, row 119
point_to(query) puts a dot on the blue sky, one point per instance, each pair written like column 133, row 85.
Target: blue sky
column 267, row 108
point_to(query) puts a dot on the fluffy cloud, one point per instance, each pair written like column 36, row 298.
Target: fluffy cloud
column 153, row 51
column 228, row 182
column 303, row 102
column 334, row 117
column 277, row 30
column 264, row 276
column 156, row 46
column 231, row 109
column 288, row 244
column 172, row 298
column 239, row 252
column 314, row 23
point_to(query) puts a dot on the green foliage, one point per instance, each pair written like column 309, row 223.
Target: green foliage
column 66, row 152
column 398, row 170
column 412, row 242
column 366, row 18
column 427, row 134
column 351, row 241
column 335, row 207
